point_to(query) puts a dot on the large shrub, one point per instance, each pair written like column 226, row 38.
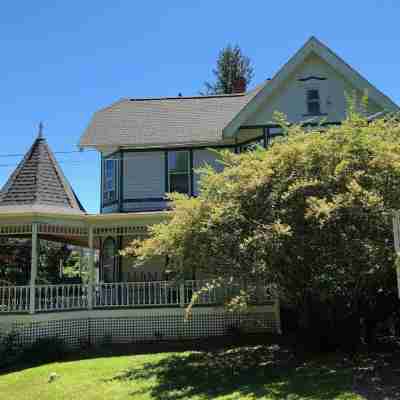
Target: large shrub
column 313, row 213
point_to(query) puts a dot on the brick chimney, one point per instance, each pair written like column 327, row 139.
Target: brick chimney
column 239, row 85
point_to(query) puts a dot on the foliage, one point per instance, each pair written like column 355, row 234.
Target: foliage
column 10, row 349
column 76, row 266
column 51, row 256
column 15, row 258
column 313, row 214
column 232, row 65
column 44, row 350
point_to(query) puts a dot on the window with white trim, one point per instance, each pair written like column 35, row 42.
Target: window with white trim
column 313, row 102
column 179, row 171
column 110, row 180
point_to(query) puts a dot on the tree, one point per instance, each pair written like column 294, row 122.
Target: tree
column 313, row 214
column 233, row 73
column 15, row 258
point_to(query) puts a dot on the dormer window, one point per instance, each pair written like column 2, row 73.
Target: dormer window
column 313, row 102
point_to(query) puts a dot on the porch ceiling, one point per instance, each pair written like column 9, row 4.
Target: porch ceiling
column 74, row 229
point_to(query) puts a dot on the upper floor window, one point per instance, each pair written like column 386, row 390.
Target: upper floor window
column 110, row 175
column 179, row 171
column 313, row 102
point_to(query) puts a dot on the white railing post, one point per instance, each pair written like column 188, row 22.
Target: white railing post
column 182, row 294
column 34, row 264
column 91, row 270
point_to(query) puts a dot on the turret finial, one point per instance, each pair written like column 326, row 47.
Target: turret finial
column 40, row 134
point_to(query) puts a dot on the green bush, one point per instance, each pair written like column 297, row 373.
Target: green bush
column 44, row 350
column 10, row 349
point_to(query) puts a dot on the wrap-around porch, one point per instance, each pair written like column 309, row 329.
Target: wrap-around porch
column 90, row 231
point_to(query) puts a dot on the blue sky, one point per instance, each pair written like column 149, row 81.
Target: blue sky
column 63, row 60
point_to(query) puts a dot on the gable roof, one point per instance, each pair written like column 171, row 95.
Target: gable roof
column 179, row 121
column 39, row 185
column 164, row 121
column 313, row 45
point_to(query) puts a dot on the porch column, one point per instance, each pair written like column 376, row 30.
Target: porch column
column 91, row 270
column 34, row 264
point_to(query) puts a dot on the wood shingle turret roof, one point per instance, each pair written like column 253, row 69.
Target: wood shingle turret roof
column 39, row 185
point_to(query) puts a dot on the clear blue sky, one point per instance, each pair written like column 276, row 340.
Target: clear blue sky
column 63, row 60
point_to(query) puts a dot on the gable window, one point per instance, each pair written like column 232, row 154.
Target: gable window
column 110, row 175
column 179, row 172
column 313, row 102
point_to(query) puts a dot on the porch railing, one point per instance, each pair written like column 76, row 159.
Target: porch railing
column 14, row 299
column 47, row 298
column 61, row 297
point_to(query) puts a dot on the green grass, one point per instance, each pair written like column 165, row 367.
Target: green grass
column 243, row 373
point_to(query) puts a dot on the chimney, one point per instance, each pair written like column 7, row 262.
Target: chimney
column 239, row 85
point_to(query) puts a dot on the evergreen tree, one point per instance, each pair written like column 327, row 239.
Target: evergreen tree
column 233, row 71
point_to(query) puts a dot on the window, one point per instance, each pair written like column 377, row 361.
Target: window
column 179, row 172
column 252, row 145
column 110, row 193
column 313, row 103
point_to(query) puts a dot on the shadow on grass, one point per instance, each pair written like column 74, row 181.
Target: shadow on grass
column 257, row 371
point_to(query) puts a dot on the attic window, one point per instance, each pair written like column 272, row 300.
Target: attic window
column 313, row 102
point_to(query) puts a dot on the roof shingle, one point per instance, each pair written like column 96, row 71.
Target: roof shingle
column 164, row 121
column 38, row 183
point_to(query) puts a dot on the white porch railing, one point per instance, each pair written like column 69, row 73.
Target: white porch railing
column 132, row 294
column 61, row 297
column 16, row 299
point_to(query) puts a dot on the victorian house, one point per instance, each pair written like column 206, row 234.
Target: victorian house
column 149, row 147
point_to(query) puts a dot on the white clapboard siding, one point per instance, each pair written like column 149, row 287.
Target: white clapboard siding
column 144, row 175
column 200, row 159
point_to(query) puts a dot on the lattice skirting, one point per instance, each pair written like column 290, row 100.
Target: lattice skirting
column 130, row 329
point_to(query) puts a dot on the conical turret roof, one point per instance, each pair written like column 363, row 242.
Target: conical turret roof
column 39, row 185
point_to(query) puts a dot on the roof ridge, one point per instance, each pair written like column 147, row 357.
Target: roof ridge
column 189, row 97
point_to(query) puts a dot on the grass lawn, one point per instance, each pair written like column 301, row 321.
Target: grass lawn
column 253, row 372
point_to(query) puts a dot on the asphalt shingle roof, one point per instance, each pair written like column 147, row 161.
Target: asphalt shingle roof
column 38, row 184
column 164, row 121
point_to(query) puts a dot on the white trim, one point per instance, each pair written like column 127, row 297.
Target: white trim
column 120, row 313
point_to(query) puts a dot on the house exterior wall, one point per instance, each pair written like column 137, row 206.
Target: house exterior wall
column 144, row 175
column 290, row 98
column 143, row 183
